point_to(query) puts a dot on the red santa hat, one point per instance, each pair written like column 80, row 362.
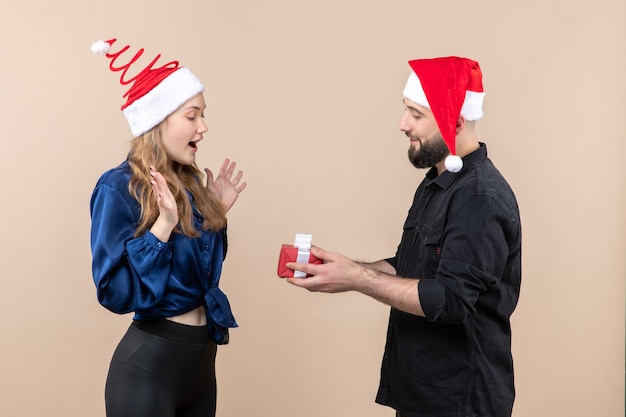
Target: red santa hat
column 449, row 87
column 155, row 93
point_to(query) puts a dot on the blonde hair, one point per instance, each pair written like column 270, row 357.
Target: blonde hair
column 147, row 150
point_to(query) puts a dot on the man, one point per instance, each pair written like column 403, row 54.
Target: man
column 454, row 281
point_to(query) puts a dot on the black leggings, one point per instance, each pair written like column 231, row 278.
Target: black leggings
column 162, row 369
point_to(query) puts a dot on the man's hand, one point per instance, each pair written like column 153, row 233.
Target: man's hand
column 377, row 280
column 336, row 274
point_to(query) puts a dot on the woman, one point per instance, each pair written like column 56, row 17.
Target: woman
column 158, row 241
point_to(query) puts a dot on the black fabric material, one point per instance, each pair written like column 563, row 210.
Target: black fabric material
column 462, row 239
column 162, row 369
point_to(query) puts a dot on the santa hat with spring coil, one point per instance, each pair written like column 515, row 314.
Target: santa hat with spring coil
column 155, row 93
column 450, row 87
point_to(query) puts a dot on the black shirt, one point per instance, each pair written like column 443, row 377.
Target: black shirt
column 462, row 239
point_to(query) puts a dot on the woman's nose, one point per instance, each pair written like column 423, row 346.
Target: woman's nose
column 202, row 127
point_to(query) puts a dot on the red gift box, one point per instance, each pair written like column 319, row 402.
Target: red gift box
column 289, row 253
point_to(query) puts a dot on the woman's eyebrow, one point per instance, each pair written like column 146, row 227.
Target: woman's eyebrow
column 195, row 108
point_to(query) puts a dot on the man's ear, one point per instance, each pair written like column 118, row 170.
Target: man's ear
column 460, row 124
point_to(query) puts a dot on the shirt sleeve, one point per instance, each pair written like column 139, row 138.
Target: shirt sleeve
column 130, row 273
column 393, row 262
column 474, row 251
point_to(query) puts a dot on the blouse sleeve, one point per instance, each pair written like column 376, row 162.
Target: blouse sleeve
column 130, row 273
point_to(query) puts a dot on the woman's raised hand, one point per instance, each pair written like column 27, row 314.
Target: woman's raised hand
column 168, row 211
column 225, row 186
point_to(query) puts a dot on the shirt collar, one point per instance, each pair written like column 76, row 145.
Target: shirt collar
column 447, row 178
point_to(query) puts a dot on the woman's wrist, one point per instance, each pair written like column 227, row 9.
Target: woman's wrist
column 162, row 229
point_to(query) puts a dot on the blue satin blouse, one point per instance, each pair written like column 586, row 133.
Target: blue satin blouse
column 152, row 278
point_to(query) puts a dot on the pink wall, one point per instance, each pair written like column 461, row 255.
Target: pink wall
column 306, row 97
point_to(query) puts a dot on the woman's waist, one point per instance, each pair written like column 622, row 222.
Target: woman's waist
column 184, row 311
column 195, row 317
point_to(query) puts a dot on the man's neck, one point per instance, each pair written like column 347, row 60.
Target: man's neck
column 463, row 148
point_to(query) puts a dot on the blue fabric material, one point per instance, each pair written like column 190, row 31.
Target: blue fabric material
column 153, row 278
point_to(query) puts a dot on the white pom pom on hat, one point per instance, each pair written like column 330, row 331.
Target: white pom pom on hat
column 450, row 87
column 155, row 93
column 453, row 163
column 100, row 47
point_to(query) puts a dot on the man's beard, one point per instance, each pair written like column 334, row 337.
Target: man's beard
column 430, row 152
